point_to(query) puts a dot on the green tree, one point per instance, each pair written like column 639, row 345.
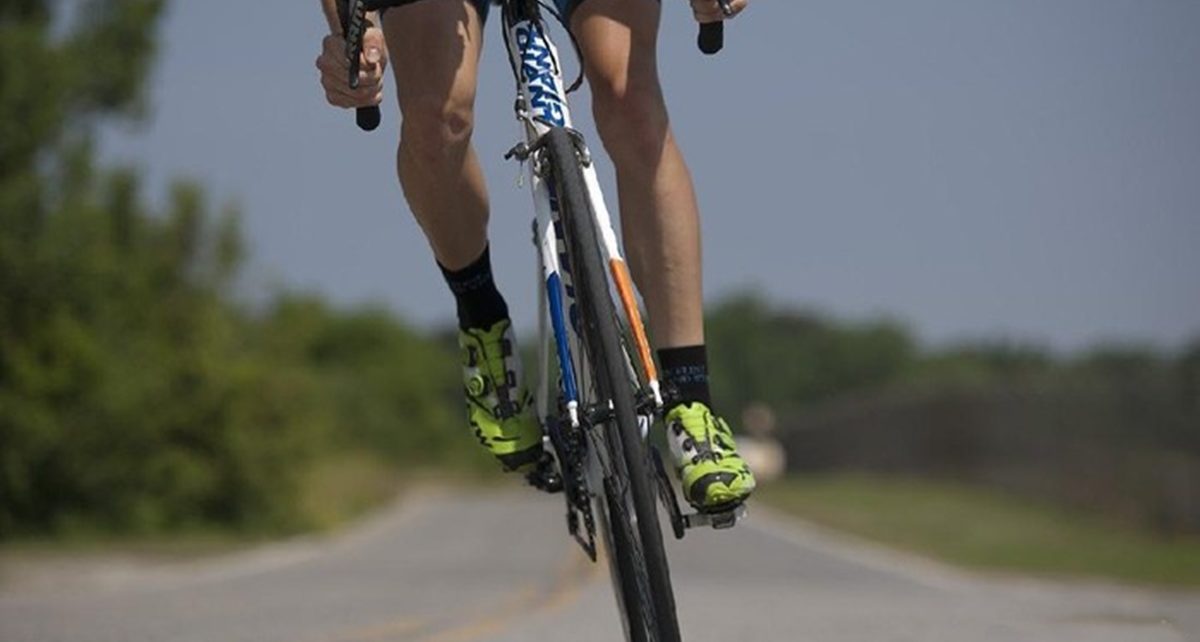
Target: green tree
column 56, row 81
column 135, row 395
column 790, row 358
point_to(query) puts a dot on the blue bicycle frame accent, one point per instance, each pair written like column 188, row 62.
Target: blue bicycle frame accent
column 558, row 321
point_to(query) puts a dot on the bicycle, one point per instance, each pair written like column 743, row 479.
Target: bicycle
column 596, row 413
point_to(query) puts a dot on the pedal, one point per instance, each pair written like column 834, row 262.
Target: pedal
column 545, row 477
column 719, row 520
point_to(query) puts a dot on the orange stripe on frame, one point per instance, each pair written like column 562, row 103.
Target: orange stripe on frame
column 620, row 274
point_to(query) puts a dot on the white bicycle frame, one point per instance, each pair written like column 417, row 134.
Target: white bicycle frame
column 542, row 105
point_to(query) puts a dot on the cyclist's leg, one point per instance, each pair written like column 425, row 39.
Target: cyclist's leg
column 659, row 218
column 434, row 48
column 661, row 229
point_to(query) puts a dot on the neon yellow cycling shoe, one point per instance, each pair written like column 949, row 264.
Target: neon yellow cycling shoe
column 714, row 476
column 499, row 407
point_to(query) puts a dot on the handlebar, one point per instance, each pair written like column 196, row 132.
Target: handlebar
column 353, row 16
column 711, row 38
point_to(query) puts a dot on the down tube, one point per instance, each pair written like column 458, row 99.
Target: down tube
column 558, row 297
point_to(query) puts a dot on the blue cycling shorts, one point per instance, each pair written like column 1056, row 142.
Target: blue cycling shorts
column 565, row 7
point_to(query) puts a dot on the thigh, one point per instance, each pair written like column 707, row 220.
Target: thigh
column 619, row 39
column 434, row 48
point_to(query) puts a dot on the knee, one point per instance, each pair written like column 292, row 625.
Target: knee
column 631, row 119
column 436, row 129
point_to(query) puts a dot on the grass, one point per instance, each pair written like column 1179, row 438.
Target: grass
column 174, row 546
column 989, row 530
column 342, row 487
column 335, row 491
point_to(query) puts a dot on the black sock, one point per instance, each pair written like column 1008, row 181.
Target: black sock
column 480, row 304
column 685, row 374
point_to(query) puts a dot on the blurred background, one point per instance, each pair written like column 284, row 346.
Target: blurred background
column 950, row 260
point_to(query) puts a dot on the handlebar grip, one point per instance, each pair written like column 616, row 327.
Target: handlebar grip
column 367, row 118
column 711, row 38
column 352, row 15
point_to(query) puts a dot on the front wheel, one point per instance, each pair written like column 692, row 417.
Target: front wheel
column 636, row 545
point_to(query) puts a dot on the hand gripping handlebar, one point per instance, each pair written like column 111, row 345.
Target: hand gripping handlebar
column 353, row 16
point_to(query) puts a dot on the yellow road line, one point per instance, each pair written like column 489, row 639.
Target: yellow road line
column 487, row 624
column 575, row 573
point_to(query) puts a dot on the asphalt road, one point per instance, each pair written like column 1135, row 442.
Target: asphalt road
column 452, row 567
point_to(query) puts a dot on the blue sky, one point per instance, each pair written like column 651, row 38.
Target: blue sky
column 1024, row 169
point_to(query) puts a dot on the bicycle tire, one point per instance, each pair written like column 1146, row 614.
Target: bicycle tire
column 624, row 566
column 602, row 341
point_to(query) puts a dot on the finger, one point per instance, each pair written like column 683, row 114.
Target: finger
column 337, row 82
column 333, row 44
column 356, row 99
column 341, row 98
column 370, row 82
column 369, row 98
column 374, row 47
column 370, row 73
column 338, row 100
column 707, row 11
column 710, row 10
column 334, row 48
column 337, row 92
column 333, row 66
column 334, row 76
